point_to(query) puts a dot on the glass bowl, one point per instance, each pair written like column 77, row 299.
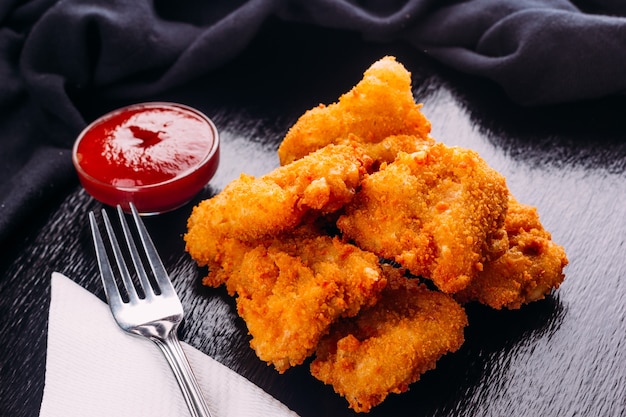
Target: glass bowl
column 157, row 155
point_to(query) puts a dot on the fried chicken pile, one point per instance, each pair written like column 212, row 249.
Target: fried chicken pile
column 328, row 254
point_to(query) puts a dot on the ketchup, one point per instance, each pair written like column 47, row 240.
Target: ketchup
column 156, row 155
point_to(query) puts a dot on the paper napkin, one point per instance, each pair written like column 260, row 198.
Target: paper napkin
column 95, row 369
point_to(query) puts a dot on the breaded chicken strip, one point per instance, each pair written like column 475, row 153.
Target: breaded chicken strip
column 436, row 212
column 251, row 208
column 529, row 270
column 390, row 345
column 380, row 105
column 291, row 288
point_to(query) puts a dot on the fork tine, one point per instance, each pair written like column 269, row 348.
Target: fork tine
column 160, row 273
column 134, row 254
column 119, row 258
column 111, row 291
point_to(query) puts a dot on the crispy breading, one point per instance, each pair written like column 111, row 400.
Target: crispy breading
column 291, row 288
column 387, row 150
column 251, row 208
column 380, row 105
column 436, row 212
column 231, row 251
column 529, row 270
column 389, row 346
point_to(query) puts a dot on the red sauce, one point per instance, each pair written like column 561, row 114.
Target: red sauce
column 157, row 155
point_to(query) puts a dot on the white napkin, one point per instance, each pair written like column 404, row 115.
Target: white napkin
column 95, row 369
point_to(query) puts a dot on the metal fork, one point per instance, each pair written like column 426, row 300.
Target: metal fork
column 156, row 315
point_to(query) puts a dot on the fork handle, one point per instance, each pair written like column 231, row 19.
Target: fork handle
column 175, row 356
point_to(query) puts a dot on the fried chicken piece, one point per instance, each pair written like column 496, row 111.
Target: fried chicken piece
column 530, row 269
column 437, row 212
column 292, row 288
column 250, row 208
column 389, row 346
column 380, row 105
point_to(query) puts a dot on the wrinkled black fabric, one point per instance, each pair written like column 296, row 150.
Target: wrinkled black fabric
column 53, row 52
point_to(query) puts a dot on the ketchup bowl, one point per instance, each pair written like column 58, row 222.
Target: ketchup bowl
column 155, row 155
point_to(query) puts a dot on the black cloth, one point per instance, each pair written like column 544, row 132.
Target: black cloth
column 56, row 54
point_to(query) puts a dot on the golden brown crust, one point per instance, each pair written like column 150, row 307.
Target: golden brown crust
column 291, row 288
column 252, row 208
column 388, row 346
column 434, row 211
column 529, row 270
